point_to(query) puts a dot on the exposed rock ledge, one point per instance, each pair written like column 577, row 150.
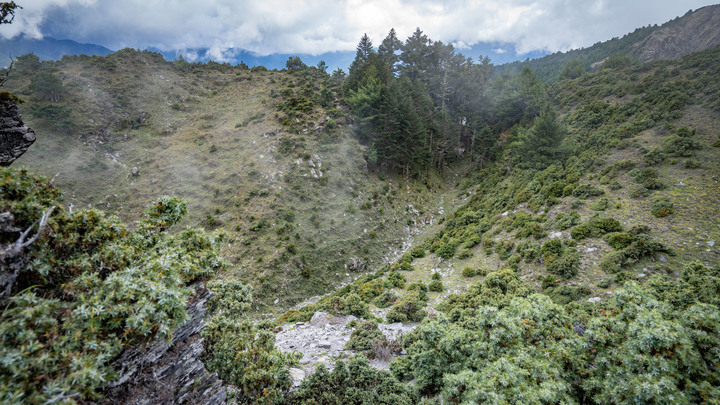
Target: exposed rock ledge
column 15, row 136
column 323, row 339
column 172, row 373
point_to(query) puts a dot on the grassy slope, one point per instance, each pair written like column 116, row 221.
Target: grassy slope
column 204, row 138
column 692, row 232
column 204, row 141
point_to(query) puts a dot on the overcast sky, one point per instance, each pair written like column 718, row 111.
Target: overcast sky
column 319, row 26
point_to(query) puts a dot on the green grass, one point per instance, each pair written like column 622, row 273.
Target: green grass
column 190, row 145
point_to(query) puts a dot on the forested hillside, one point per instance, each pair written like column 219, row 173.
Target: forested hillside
column 545, row 243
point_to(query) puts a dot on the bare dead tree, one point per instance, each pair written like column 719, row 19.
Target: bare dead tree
column 5, row 76
column 11, row 253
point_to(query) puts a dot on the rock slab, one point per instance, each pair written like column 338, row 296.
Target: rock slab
column 15, row 136
column 163, row 373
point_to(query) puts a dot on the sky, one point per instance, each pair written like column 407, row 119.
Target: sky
column 320, row 26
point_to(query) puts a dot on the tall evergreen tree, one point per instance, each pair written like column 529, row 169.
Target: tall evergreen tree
column 363, row 58
column 416, row 55
column 387, row 51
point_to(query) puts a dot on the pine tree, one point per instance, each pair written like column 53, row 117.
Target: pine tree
column 416, row 55
column 388, row 50
column 363, row 59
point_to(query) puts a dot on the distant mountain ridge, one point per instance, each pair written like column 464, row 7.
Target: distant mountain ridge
column 54, row 49
column 46, row 48
column 696, row 30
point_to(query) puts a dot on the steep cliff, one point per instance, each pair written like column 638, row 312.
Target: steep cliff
column 693, row 32
column 169, row 373
column 15, row 136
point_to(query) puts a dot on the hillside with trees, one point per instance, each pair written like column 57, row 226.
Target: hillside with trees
column 546, row 235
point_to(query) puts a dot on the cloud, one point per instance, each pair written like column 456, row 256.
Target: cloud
column 319, row 26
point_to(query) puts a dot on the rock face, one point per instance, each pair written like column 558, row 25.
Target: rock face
column 323, row 339
column 693, row 32
column 15, row 136
column 171, row 373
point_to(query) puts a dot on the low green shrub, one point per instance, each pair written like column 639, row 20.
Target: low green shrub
column 595, row 227
column 565, row 294
column 662, row 207
column 587, row 191
column 612, row 262
column 395, row 280
column 408, row 309
column 565, row 221
column 418, row 253
column 365, row 335
column 600, row 205
column 446, row 251
column 468, row 272
column 353, row 383
column 435, row 286
column 566, row 265
column 385, row 299
column 640, row 192
column 619, row 240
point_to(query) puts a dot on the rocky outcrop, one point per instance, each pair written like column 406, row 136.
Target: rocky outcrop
column 693, row 32
column 169, row 373
column 15, row 136
column 323, row 340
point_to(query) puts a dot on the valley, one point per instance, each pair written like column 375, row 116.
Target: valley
column 423, row 229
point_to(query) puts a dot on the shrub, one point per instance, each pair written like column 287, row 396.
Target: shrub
column 421, row 289
column 395, row 279
column 645, row 174
column 446, row 251
column 408, row 309
column 529, row 250
column 364, row 336
column 565, row 294
column 468, row 272
column 640, row 192
column 435, row 286
column 612, row 262
column 245, row 357
column 353, row 383
column 566, row 265
column 654, row 184
column 565, row 221
column 385, row 299
column 679, row 146
column 654, row 157
column 350, row 304
column 619, row 240
column 605, row 283
column 551, row 249
column 662, row 207
column 104, row 288
column 600, row 205
column 595, row 227
column 587, row 191
column 418, row 253
column 371, row 289
column 505, row 249
column 643, row 246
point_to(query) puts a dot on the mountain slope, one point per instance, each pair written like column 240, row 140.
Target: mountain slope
column 695, row 31
column 302, row 211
